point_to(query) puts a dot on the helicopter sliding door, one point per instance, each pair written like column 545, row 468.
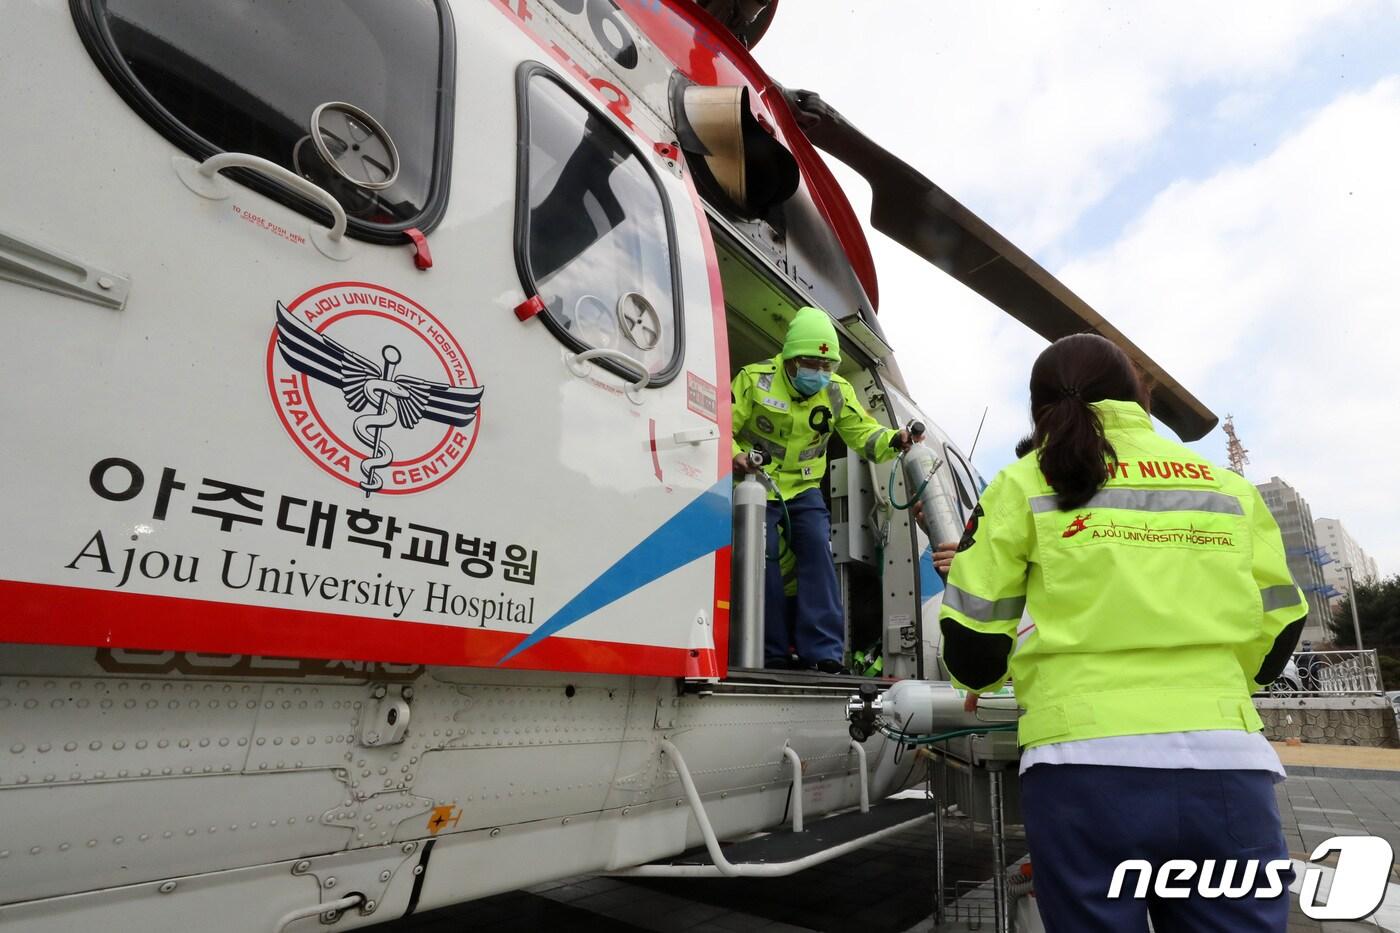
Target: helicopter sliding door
column 608, row 253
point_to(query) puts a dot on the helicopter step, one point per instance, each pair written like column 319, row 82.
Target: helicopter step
column 778, row 854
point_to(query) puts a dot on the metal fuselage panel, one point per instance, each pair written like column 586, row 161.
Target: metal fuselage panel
column 119, row 784
column 204, row 752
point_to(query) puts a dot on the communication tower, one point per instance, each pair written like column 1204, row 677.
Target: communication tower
column 1238, row 454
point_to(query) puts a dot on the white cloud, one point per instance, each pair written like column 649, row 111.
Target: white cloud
column 1269, row 287
column 1030, row 114
column 1273, row 290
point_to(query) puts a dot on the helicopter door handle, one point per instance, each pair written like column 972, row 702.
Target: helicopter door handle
column 575, row 363
column 696, row 436
column 691, row 437
column 203, row 179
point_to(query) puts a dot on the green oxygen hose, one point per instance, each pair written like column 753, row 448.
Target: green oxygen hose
column 914, row 496
column 787, row 520
column 902, row 506
column 945, row 736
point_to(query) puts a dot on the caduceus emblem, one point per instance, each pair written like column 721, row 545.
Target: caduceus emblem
column 393, row 399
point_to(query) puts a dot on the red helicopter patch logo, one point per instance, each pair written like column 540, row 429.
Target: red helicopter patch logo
column 353, row 367
column 1076, row 526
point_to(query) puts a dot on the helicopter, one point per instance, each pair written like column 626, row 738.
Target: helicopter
column 368, row 487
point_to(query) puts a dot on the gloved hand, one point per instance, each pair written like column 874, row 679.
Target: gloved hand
column 904, row 440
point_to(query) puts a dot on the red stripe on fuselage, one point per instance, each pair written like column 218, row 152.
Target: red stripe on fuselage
column 39, row 613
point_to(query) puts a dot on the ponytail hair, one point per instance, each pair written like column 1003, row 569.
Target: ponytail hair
column 1070, row 374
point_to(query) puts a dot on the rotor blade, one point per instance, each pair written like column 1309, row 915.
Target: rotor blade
column 919, row 215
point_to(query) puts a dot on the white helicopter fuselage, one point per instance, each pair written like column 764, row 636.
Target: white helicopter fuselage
column 329, row 574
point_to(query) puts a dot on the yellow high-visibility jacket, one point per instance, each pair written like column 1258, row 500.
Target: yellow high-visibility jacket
column 768, row 414
column 1154, row 604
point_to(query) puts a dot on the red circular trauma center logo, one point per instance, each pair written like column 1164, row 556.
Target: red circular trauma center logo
column 372, row 387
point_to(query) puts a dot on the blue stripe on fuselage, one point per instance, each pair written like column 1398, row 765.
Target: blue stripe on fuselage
column 702, row 527
column 930, row 583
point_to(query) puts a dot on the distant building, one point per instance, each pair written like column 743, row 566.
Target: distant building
column 1305, row 558
column 1333, row 537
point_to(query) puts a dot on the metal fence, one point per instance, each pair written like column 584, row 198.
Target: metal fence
column 1330, row 673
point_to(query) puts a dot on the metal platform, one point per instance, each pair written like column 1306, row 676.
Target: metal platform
column 773, row 680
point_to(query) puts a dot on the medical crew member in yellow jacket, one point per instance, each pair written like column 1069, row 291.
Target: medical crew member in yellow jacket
column 1162, row 600
column 788, row 407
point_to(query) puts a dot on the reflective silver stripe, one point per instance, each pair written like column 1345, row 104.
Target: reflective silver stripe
column 776, row 451
column 834, row 396
column 984, row 610
column 1150, row 500
column 871, row 443
column 1279, row 597
column 812, row 453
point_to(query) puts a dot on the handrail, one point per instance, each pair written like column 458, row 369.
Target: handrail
column 203, row 179
column 791, row 754
column 574, row 361
column 864, row 780
column 769, row 869
column 722, row 866
column 1330, row 673
column 697, row 808
column 315, row 910
column 219, row 161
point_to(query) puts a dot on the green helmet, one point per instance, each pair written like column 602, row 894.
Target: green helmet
column 811, row 333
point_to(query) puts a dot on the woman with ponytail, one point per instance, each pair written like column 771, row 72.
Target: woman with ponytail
column 1162, row 600
column 1065, row 382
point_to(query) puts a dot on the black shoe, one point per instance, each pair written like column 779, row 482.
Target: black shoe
column 789, row 663
column 831, row 667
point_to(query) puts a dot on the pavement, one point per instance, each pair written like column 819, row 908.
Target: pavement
column 888, row 887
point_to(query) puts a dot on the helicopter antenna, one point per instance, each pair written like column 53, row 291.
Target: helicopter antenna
column 1239, row 455
column 978, row 435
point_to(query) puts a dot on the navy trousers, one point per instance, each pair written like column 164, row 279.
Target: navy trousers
column 1083, row 820
column 818, row 633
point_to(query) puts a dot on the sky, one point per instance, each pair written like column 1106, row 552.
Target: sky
column 1221, row 181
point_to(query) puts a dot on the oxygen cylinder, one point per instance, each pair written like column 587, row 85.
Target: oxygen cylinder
column 940, row 520
column 747, row 574
column 922, row 707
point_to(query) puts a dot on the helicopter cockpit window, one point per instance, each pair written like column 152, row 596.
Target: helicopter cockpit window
column 594, row 231
column 351, row 94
